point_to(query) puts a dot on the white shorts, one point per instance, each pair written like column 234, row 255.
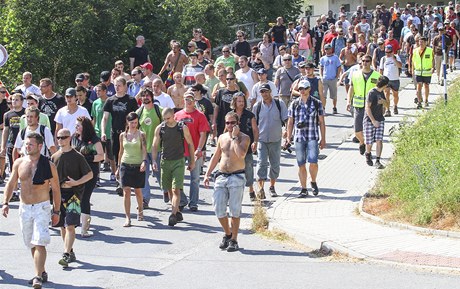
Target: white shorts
column 35, row 220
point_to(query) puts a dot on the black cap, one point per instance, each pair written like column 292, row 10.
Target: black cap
column 265, row 86
column 105, row 76
column 262, row 71
column 310, row 65
column 80, row 77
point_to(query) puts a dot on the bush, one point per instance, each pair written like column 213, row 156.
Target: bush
column 422, row 180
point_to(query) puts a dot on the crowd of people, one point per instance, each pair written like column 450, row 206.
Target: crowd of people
column 252, row 100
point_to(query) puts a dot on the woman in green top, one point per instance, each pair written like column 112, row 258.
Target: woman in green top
column 132, row 160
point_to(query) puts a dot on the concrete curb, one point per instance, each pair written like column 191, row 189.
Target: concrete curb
column 441, row 233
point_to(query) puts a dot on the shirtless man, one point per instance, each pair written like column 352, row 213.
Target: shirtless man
column 230, row 180
column 175, row 60
column 348, row 57
column 37, row 175
column 177, row 91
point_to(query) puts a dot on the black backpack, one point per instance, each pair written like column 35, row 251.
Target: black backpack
column 259, row 106
column 42, row 133
column 157, row 110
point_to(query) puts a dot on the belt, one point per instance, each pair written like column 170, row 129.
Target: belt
column 219, row 173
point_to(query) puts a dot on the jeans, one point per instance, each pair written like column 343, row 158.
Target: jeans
column 268, row 152
column 157, row 174
column 194, row 185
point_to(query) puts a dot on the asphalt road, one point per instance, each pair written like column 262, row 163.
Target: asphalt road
column 152, row 255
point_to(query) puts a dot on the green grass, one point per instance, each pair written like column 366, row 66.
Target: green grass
column 423, row 179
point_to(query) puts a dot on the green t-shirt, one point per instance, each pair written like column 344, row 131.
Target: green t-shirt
column 97, row 112
column 211, row 82
column 42, row 119
column 148, row 123
column 229, row 61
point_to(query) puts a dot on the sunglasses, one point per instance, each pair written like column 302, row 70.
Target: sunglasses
column 189, row 99
column 3, row 91
column 365, row 61
column 134, row 74
column 225, row 51
column 230, row 122
column 239, row 36
column 230, row 78
column 79, row 80
column 63, row 137
column 287, row 59
column 190, row 46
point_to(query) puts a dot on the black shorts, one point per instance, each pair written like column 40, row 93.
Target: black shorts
column 423, row 79
column 107, row 147
column 131, row 176
column 70, row 209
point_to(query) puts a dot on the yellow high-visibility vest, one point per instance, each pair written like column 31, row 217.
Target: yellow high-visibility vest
column 361, row 87
column 422, row 63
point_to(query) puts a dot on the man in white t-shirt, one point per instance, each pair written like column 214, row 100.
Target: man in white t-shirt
column 255, row 94
column 159, row 97
column 27, row 87
column 66, row 117
column 32, row 117
column 389, row 67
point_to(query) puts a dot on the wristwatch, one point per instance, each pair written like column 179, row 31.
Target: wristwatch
column 57, row 213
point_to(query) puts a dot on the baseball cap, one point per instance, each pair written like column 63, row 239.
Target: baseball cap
column 265, row 86
column 302, row 64
column 147, row 65
column 193, row 54
column 327, row 46
column 287, row 57
column 310, row 65
column 80, row 77
column 33, row 96
column 189, row 94
column 262, row 71
column 389, row 47
column 105, row 76
column 304, row 84
column 71, row 91
column 446, row 21
column 380, row 41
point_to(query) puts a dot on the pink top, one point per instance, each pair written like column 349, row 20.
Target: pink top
column 304, row 42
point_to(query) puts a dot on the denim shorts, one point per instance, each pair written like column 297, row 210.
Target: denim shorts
column 306, row 150
column 228, row 190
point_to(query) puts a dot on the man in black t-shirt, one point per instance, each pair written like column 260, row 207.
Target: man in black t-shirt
column 51, row 102
column 138, row 54
column 222, row 103
column 3, row 109
column 118, row 106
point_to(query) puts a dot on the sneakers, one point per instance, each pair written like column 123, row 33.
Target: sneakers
column 369, row 161
column 273, row 192
column 44, row 278
column 426, row 104
column 395, row 110
column 212, row 142
column 119, row 191
column 419, row 105
column 166, row 197
column 232, row 246
column 193, row 209
column 334, row 110
column 416, row 100
column 355, row 140
column 172, row 220
column 106, row 167
column 225, row 240
column 179, row 217
column 145, row 204
column 387, row 113
column 65, row 260
column 314, row 186
column 112, row 177
column 378, row 165
column 303, row 193
column 261, row 194
column 72, row 256
column 37, row 282
column 362, row 149
column 252, row 196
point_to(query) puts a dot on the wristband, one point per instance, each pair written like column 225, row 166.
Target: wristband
column 57, row 213
column 5, row 204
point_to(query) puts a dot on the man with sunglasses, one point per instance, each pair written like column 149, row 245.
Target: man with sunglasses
column 330, row 68
column 227, row 58
column 201, row 41
column 137, row 83
column 389, row 67
column 222, row 103
column 422, row 67
column 307, row 114
column 361, row 82
column 229, row 180
column 284, row 78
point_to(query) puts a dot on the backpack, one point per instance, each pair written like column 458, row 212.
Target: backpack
column 259, row 106
column 157, row 110
column 42, row 133
column 180, row 128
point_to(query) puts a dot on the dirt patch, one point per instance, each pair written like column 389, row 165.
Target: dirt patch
column 382, row 208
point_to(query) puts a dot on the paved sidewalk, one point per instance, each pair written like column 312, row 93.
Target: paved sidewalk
column 332, row 221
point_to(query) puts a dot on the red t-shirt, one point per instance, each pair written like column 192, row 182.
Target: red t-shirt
column 196, row 122
column 328, row 37
column 394, row 43
column 451, row 32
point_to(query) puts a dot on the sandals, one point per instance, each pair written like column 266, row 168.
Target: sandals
column 140, row 216
column 127, row 223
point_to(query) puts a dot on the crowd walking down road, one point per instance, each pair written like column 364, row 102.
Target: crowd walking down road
column 211, row 135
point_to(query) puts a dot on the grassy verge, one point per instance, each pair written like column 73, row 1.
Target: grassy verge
column 423, row 180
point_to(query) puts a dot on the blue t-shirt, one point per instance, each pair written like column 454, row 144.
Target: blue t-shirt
column 330, row 65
